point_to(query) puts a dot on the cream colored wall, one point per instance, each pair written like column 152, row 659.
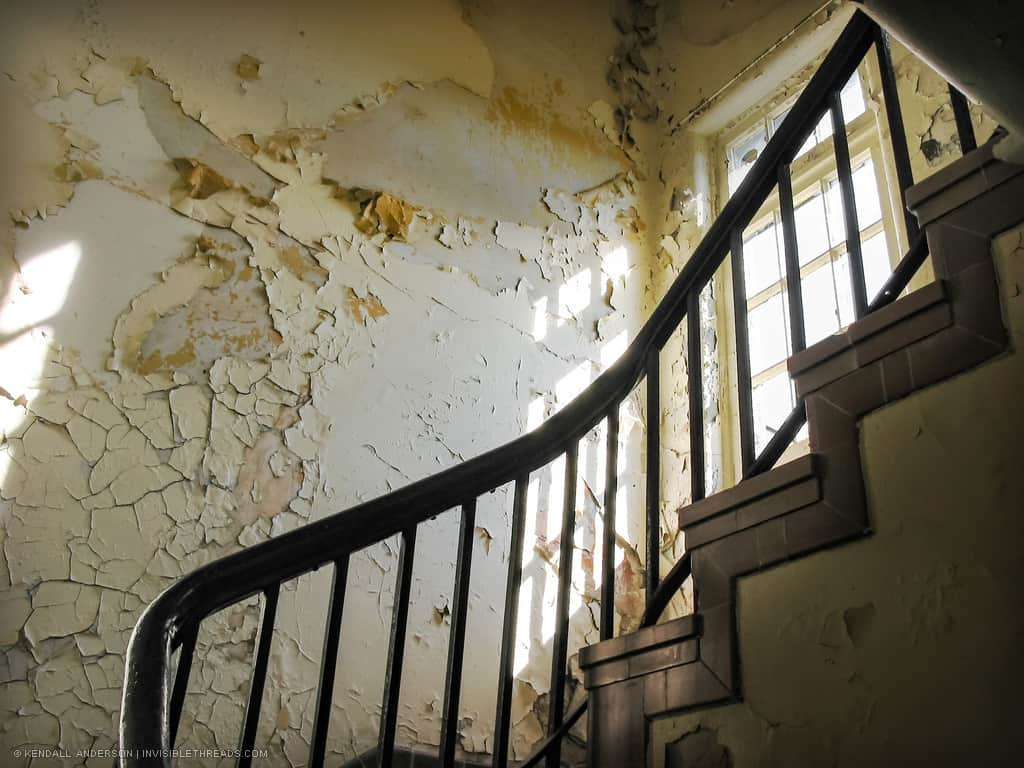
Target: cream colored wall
column 262, row 263
column 903, row 648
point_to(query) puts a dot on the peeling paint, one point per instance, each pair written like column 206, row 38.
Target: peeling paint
column 279, row 303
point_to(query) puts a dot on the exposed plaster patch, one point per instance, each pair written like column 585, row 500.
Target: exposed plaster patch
column 387, row 215
column 179, row 136
column 269, row 480
column 207, row 268
column 248, row 67
column 366, row 308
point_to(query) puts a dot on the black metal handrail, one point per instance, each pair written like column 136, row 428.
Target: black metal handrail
column 153, row 696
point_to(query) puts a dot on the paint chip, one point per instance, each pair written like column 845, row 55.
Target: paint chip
column 248, row 67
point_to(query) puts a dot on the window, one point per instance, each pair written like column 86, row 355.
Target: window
column 742, row 152
column 821, row 244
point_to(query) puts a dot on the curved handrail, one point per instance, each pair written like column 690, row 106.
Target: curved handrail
column 145, row 703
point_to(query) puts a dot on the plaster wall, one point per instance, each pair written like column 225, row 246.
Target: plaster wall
column 261, row 263
column 900, row 649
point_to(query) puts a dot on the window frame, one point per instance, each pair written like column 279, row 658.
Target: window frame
column 811, row 173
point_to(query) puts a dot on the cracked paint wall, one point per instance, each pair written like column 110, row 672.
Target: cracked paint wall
column 840, row 668
column 260, row 265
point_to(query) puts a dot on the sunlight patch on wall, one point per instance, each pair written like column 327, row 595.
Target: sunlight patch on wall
column 574, row 296
column 572, row 384
column 615, row 263
column 521, row 657
column 612, row 349
column 37, row 294
column 40, row 294
column 535, row 414
column 540, row 318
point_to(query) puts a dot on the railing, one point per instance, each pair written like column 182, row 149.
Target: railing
column 154, row 690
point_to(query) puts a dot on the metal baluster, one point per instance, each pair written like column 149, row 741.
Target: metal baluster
column 457, row 635
column 793, row 285
column 328, row 663
column 503, row 713
column 962, row 115
column 396, row 649
column 560, row 642
column 849, row 203
column 744, row 390
column 901, row 275
column 611, row 487
column 780, row 441
column 259, row 676
column 181, row 674
column 653, row 472
column 897, row 133
column 694, row 372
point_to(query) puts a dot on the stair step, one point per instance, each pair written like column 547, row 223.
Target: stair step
column 909, row 319
column 768, row 496
column 817, row 500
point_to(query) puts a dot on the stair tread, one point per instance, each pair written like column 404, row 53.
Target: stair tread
column 877, row 321
column 749, row 490
column 645, row 638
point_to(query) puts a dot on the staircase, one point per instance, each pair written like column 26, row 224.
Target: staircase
column 816, row 501
column 896, row 346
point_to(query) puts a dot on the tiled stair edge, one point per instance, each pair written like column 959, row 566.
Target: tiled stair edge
column 817, row 501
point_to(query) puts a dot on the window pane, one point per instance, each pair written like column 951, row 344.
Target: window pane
column 852, row 97
column 844, row 289
column 811, row 229
column 821, row 316
column 773, row 400
column 778, row 119
column 742, row 155
column 821, row 131
column 761, row 260
column 865, row 192
column 834, row 211
column 877, row 266
column 767, row 332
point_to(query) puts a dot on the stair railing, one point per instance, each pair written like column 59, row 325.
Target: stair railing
column 155, row 687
